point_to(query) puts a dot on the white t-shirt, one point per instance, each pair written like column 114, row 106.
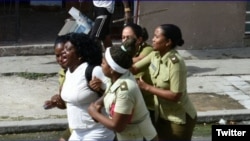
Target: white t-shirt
column 109, row 4
column 78, row 96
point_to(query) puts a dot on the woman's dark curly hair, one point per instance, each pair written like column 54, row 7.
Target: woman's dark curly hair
column 123, row 55
column 86, row 48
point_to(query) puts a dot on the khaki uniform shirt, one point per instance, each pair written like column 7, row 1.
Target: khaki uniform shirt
column 148, row 97
column 61, row 77
column 169, row 72
column 127, row 98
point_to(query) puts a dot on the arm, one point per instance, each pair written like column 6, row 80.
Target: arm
column 99, row 80
column 140, row 65
column 55, row 101
column 138, row 58
column 143, row 53
column 117, row 123
column 166, row 94
column 96, row 85
column 121, row 111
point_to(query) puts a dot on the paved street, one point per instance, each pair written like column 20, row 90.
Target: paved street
column 218, row 79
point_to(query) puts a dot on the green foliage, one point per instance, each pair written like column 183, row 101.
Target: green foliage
column 203, row 130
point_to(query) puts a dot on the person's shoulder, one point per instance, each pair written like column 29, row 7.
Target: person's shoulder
column 174, row 59
column 62, row 71
column 148, row 47
column 124, row 86
column 97, row 70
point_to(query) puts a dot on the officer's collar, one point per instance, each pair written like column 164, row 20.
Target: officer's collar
column 165, row 56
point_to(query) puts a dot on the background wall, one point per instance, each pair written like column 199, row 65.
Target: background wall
column 203, row 24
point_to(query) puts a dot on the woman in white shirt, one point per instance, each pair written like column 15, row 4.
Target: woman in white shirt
column 80, row 51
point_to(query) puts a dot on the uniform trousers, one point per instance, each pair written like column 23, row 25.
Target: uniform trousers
column 171, row 131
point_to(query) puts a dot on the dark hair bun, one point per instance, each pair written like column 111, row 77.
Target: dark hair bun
column 180, row 42
column 129, row 46
column 144, row 34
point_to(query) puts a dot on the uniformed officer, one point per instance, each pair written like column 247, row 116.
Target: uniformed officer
column 133, row 30
column 175, row 113
column 56, row 100
column 127, row 112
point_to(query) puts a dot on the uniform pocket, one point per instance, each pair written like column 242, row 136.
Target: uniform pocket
column 163, row 78
column 153, row 70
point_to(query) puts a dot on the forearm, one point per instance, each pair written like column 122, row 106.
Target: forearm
column 106, row 121
column 136, row 59
column 166, row 94
column 100, row 101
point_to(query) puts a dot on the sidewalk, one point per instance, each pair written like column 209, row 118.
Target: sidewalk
column 218, row 83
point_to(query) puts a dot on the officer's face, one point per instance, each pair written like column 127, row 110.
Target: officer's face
column 159, row 41
column 106, row 68
column 127, row 33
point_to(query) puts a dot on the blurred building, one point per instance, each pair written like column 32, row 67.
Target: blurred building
column 204, row 24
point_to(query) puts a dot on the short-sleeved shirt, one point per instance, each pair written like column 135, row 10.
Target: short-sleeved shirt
column 61, row 76
column 169, row 72
column 125, row 94
column 148, row 97
column 144, row 49
column 78, row 96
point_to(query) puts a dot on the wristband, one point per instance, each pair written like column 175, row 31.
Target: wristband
column 127, row 10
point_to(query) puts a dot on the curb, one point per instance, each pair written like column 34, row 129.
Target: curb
column 7, row 127
column 36, row 49
column 25, row 50
column 228, row 115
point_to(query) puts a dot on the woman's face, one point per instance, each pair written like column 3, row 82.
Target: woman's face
column 70, row 55
column 160, row 43
column 106, row 68
column 127, row 33
column 59, row 54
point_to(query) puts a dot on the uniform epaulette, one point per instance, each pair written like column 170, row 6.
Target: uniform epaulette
column 124, row 86
column 174, row 58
